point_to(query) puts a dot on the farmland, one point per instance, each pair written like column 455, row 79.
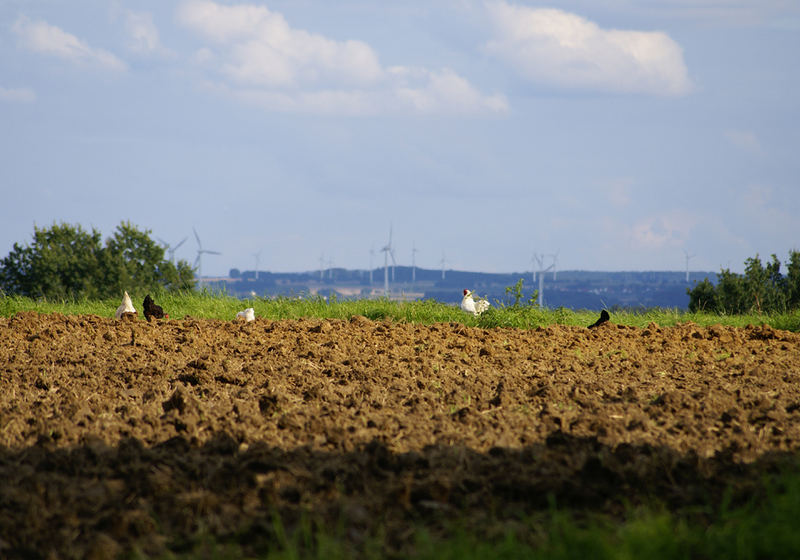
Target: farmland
column 127, row 437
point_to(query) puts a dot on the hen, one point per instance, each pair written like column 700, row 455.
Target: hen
column 247, row 315
column 470, row 305
column 126, row 308
column 151, row 310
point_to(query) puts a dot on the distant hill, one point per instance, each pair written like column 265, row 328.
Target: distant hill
column 574, row 289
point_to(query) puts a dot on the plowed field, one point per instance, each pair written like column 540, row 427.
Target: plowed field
column 126, row 435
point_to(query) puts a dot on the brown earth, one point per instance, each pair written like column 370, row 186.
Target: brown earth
column 120, row 436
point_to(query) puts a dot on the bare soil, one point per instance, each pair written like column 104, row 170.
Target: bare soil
column 123, row 435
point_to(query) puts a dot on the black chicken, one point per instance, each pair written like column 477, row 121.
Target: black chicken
column 153, row 310
column 604, row 316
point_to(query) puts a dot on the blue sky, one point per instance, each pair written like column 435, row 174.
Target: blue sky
column 620, row 134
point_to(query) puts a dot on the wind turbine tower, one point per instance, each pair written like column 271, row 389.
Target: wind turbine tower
column 198, row 262
column 555, row 264
column 542, row 270
column 371, row 257
column 688, row 256
column 413, row 263
column 443, row 263
column 257, row 256
column 388, row 251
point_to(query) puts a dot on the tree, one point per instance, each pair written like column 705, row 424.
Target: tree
column 135, row 262
column 64, row 261
column 793, row 280
column 763, row 285
column 762, row 289
column 730, row 293
column 703, row 297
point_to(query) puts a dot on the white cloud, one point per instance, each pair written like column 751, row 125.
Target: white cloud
column 231, row 23
column 561, row 49
column 435, row 91
column 266, row 61
column 143, row 35
column 17, row 95
column 44, row 38
column 666, row 230
column 264, row 50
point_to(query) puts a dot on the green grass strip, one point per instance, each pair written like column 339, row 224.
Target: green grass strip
column 208, row 305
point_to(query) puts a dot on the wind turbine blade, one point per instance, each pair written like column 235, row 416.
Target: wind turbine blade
column 164, row 243
column 197, row 237
column 206, row 251
column 181, row 243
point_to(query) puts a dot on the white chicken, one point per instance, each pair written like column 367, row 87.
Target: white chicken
column 125, row 307
column 470, row 305
column 247, row 315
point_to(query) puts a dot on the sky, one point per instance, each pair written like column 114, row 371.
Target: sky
column 294, row 134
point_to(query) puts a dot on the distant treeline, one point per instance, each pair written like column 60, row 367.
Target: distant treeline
column 761, row 289
column 573, row 289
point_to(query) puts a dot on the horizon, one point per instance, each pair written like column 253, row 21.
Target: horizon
column 438, row 270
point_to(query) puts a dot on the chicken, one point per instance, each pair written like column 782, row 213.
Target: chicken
column 604, row 316
column 470, row 305
column 153, row 310
column 247, row 315
column 126, row 309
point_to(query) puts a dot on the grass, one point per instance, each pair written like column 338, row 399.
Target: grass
column 765, row 528
column 208, row 305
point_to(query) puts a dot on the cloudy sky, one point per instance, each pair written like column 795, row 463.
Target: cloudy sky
column 619, row 134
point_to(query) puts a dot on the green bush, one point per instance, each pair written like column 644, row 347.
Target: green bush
column 66, row 262
column 761, row 289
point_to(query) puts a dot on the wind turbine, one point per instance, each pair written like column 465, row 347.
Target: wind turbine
column 443, row 263
column 198, row 262
column 688, row 256
column 414, row 251
column 170, row 249
column 257, row 256
column 555, row 263
column 371, row 257
column 387, row 251
column 540, row 260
